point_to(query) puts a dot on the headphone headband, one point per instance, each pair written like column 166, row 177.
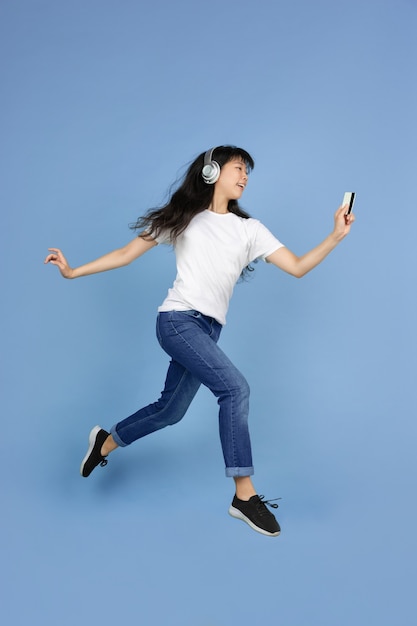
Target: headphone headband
column 208, row 156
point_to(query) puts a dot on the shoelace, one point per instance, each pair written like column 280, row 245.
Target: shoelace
column 270, row 503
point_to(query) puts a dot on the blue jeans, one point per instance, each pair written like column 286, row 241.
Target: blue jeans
column 190, row 339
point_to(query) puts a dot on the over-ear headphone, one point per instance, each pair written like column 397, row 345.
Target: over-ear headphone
column 211, row 169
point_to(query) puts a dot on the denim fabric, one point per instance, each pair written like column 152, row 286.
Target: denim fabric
column 190, row 339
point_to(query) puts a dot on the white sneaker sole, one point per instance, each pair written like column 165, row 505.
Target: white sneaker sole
column 239, row 515
column 91, row 441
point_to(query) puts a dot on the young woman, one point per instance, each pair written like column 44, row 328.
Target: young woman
column 214, row 241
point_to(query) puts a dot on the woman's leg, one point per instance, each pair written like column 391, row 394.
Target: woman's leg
column 191, row 339
column 179, row 390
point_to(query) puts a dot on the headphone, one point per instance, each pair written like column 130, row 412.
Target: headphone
column 211, row 169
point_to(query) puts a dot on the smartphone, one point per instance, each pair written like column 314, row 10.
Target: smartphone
column 349, row 200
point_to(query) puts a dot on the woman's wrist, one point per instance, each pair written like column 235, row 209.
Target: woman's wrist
column 336, row 237
column 72, row 273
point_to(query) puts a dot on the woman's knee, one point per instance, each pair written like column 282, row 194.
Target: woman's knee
column 244, row 388
column 169, row 413
column 238, row 388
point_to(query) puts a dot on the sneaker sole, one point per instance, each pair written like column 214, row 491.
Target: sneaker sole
column 91, row 440
column 239, row 515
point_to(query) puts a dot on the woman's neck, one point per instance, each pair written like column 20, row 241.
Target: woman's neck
column 219, row 205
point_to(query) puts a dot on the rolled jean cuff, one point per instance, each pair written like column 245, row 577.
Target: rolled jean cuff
column 236, row 472
column 116, row 437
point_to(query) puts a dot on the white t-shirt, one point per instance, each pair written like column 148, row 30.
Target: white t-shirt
column 211, row 254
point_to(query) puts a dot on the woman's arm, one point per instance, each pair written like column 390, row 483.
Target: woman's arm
column 298, row 266
column 111, row 260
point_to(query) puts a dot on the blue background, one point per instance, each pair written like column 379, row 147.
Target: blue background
column 103, row 105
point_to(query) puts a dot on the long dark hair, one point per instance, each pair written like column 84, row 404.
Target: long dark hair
column 192, row 197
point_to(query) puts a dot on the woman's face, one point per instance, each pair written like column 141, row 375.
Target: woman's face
column 233, row 179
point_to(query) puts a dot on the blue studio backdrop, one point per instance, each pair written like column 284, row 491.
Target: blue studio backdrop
column 103, row 105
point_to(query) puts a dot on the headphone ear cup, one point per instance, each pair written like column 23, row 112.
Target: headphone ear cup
column 211, row 172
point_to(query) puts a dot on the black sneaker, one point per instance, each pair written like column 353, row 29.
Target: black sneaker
column 93, row 457
column 255, row 513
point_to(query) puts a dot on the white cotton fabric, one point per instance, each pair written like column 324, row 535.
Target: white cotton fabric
column 211, row 254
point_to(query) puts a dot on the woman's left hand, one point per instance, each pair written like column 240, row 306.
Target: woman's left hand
column 342, row 222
